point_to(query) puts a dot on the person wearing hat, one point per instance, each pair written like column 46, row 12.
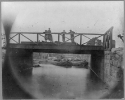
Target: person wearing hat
column 50, row 38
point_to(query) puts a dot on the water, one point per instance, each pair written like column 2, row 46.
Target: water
column 60, row 82
column 50, row 81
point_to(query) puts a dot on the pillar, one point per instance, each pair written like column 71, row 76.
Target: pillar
column 21, row 61
column 97, row 65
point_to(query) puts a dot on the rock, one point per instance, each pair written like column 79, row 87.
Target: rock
column 36, row 66
column 118, row 50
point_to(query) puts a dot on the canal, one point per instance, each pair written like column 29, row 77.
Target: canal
column 55, row 82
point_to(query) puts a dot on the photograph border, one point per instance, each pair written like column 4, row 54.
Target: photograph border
column 42, row 1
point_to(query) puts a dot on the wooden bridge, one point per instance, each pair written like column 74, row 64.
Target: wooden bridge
column 21, row 52
column 40, row 45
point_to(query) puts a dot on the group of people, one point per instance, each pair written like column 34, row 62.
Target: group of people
column 48, row 36
column 71, row 35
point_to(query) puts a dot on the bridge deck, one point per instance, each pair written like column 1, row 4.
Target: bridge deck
column 57, row 48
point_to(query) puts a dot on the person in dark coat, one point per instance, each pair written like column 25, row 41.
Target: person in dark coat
column 72, row 35
column 63, row 35
column 48, row 36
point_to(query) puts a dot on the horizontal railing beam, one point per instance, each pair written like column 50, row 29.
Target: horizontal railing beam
column 55, row 33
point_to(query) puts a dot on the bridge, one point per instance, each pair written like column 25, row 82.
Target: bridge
column 22, row 51
column 104, row 43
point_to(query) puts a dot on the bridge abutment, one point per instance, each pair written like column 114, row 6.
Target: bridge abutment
column 106, row 66
column 21, row 61
column 97, row 65
column 112, row 68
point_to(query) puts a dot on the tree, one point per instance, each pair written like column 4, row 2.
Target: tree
column 121, row 37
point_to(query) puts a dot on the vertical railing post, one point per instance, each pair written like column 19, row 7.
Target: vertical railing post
column 80, row 39
column 37, row 37
column 103, row 41
column 19, row 38
column 58, row 37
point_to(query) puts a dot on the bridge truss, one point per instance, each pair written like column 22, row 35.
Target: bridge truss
column 93, row 39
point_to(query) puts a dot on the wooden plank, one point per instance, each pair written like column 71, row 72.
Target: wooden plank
column 80, row 39
column 19, row 38
column 56, row 47
column 37, row 37
column 58, row 37
column 56, row 33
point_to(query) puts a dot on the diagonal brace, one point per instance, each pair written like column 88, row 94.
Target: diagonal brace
column 72, row 38
column 14, row 36
column 96, row 38
column 26, row 37
column 14, row 40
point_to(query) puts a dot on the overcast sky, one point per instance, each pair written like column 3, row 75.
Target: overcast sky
column 80, row 16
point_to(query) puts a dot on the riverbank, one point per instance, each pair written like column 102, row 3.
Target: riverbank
column 65, row 64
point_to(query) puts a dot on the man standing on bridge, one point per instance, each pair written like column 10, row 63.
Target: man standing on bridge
column 49, row 31
column 63, row 35
column 72, row 36
column 50, row 38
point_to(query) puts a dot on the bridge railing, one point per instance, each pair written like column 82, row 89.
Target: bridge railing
column 108, row 42
column 38, row 37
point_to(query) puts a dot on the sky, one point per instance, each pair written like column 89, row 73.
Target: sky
column 79, row 16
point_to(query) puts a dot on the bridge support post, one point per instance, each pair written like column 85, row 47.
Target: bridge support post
column 97, row 65
column 37, row 37
column 80, row 39
column 58, row 38
column 106, row 66
column 19, row 38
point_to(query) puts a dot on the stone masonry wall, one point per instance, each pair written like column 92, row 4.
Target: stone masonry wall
column 113, row 63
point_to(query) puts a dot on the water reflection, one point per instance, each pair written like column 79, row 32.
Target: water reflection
column 50, row 81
